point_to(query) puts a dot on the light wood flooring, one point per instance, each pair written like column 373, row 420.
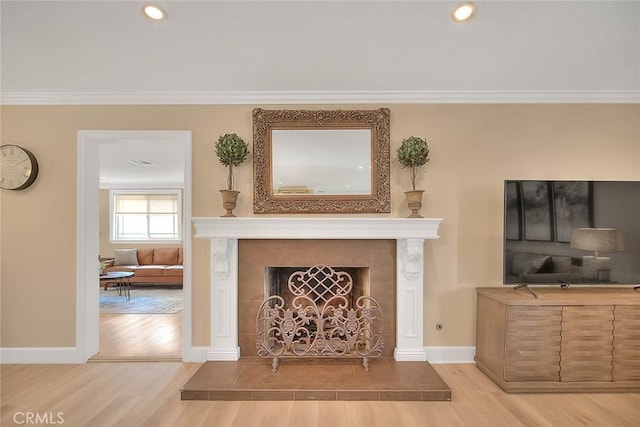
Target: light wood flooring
column 148, row 394
column 140, row 337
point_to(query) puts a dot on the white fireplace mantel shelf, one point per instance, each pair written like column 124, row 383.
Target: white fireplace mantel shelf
column 316, row 228
column 224, row 233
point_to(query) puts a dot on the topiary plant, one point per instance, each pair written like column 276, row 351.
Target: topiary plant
column 231, row 151
column 413, row 153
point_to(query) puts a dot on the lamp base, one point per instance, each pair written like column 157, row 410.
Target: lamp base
column 596, row 268
column 603, row 276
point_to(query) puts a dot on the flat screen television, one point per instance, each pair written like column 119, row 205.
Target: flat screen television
column 571, row 232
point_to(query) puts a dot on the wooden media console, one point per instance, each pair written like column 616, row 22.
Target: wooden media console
column 574, row 340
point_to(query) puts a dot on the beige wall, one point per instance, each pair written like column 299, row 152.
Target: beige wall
column 474, row 148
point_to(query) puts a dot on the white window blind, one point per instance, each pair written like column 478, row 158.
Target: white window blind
column 144, row 216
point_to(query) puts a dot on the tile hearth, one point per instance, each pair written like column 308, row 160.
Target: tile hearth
column 316, row 379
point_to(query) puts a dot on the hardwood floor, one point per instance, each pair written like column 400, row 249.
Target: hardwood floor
column 148, row 394
column 140, row 337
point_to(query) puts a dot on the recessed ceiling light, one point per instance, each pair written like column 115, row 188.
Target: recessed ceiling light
column 463, row 12
column 153, row 11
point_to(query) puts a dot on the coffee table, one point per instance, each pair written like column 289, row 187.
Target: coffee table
column 120, row 280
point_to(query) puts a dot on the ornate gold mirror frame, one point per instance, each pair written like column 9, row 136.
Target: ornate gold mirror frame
column 266, row 200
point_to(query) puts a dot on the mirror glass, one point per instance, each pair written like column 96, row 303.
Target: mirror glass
column 321, row 161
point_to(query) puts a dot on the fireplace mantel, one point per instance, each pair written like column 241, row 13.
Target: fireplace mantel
column 317, row 228
column 224, row 233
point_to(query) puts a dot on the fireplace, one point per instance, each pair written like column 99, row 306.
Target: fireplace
column 276, row 282
column 373, row 259
column 242, row 248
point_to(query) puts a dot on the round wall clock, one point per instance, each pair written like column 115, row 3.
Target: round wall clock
column 19, row 167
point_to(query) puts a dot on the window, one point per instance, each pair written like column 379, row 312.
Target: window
column 146, row 215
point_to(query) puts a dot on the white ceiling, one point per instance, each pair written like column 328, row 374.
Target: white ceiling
column 116, row 170
column 319, row 51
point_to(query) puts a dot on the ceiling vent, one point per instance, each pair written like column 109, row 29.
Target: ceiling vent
column 142, row 163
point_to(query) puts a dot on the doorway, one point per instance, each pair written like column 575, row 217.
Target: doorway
column 88, row 329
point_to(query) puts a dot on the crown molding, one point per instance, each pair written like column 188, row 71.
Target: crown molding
column 323, row 97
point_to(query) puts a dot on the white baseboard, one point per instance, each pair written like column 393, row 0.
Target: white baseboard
column 70, row 355
column 410, row 354
column 223, row 354
column 452, row 354
column 34, row 355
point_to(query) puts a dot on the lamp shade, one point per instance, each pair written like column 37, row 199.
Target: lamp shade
column 597, row 239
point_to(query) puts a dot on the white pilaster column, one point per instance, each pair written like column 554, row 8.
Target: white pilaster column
column 224, row 300
column 409, row 295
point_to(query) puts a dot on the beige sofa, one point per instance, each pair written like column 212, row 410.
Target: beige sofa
column 154, row 265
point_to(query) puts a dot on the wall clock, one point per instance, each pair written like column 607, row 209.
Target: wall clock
column 19, row 167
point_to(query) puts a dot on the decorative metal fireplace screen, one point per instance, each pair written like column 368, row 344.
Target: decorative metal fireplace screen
column 319, row 322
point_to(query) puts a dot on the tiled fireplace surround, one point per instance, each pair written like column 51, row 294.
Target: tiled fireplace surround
column 241, row 248
column 255, row 255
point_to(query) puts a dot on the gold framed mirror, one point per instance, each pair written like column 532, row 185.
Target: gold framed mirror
column 321, row 161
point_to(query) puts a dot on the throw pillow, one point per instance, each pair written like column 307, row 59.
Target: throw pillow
column 546, row 267
column 536, row 264
column 525, row 263
column 125, row 257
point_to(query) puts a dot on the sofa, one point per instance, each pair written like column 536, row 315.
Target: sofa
column 150, row 266
column 526, row 267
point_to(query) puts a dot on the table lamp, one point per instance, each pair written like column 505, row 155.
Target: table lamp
column 597, row 267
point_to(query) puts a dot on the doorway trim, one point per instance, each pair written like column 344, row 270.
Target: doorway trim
column 87, row 240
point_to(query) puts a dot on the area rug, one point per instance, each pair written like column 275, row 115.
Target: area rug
column 143, row 301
